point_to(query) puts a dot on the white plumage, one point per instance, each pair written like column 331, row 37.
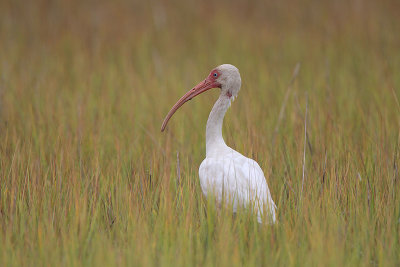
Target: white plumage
column 233, row 178
column 225, row 173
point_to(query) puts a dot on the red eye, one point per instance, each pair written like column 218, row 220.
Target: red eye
column 215, row 74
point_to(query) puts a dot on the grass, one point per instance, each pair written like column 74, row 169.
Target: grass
column 87, row 178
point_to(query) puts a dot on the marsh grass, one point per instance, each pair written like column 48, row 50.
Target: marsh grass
column 87, row 178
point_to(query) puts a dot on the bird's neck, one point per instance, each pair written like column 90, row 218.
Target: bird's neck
column 214, row 141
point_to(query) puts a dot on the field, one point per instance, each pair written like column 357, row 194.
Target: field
column 88, row 179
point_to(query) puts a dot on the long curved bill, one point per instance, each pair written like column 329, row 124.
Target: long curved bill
column 198, row 89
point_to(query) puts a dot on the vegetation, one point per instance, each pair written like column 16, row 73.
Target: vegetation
column 87, row 178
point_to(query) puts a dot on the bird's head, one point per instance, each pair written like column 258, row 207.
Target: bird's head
column 226, row 77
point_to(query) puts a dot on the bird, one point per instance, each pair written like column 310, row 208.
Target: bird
column 225, row 174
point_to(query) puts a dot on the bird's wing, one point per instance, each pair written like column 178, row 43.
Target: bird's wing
column 235, row 177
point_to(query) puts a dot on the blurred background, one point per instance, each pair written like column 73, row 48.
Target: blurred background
column 94, row 66
column 85, row 86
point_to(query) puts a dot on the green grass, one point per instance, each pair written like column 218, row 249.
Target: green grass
column 87, row 178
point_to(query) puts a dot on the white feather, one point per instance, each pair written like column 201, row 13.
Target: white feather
column 225, row 173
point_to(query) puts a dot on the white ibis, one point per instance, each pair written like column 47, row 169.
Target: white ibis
column 225, row 173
